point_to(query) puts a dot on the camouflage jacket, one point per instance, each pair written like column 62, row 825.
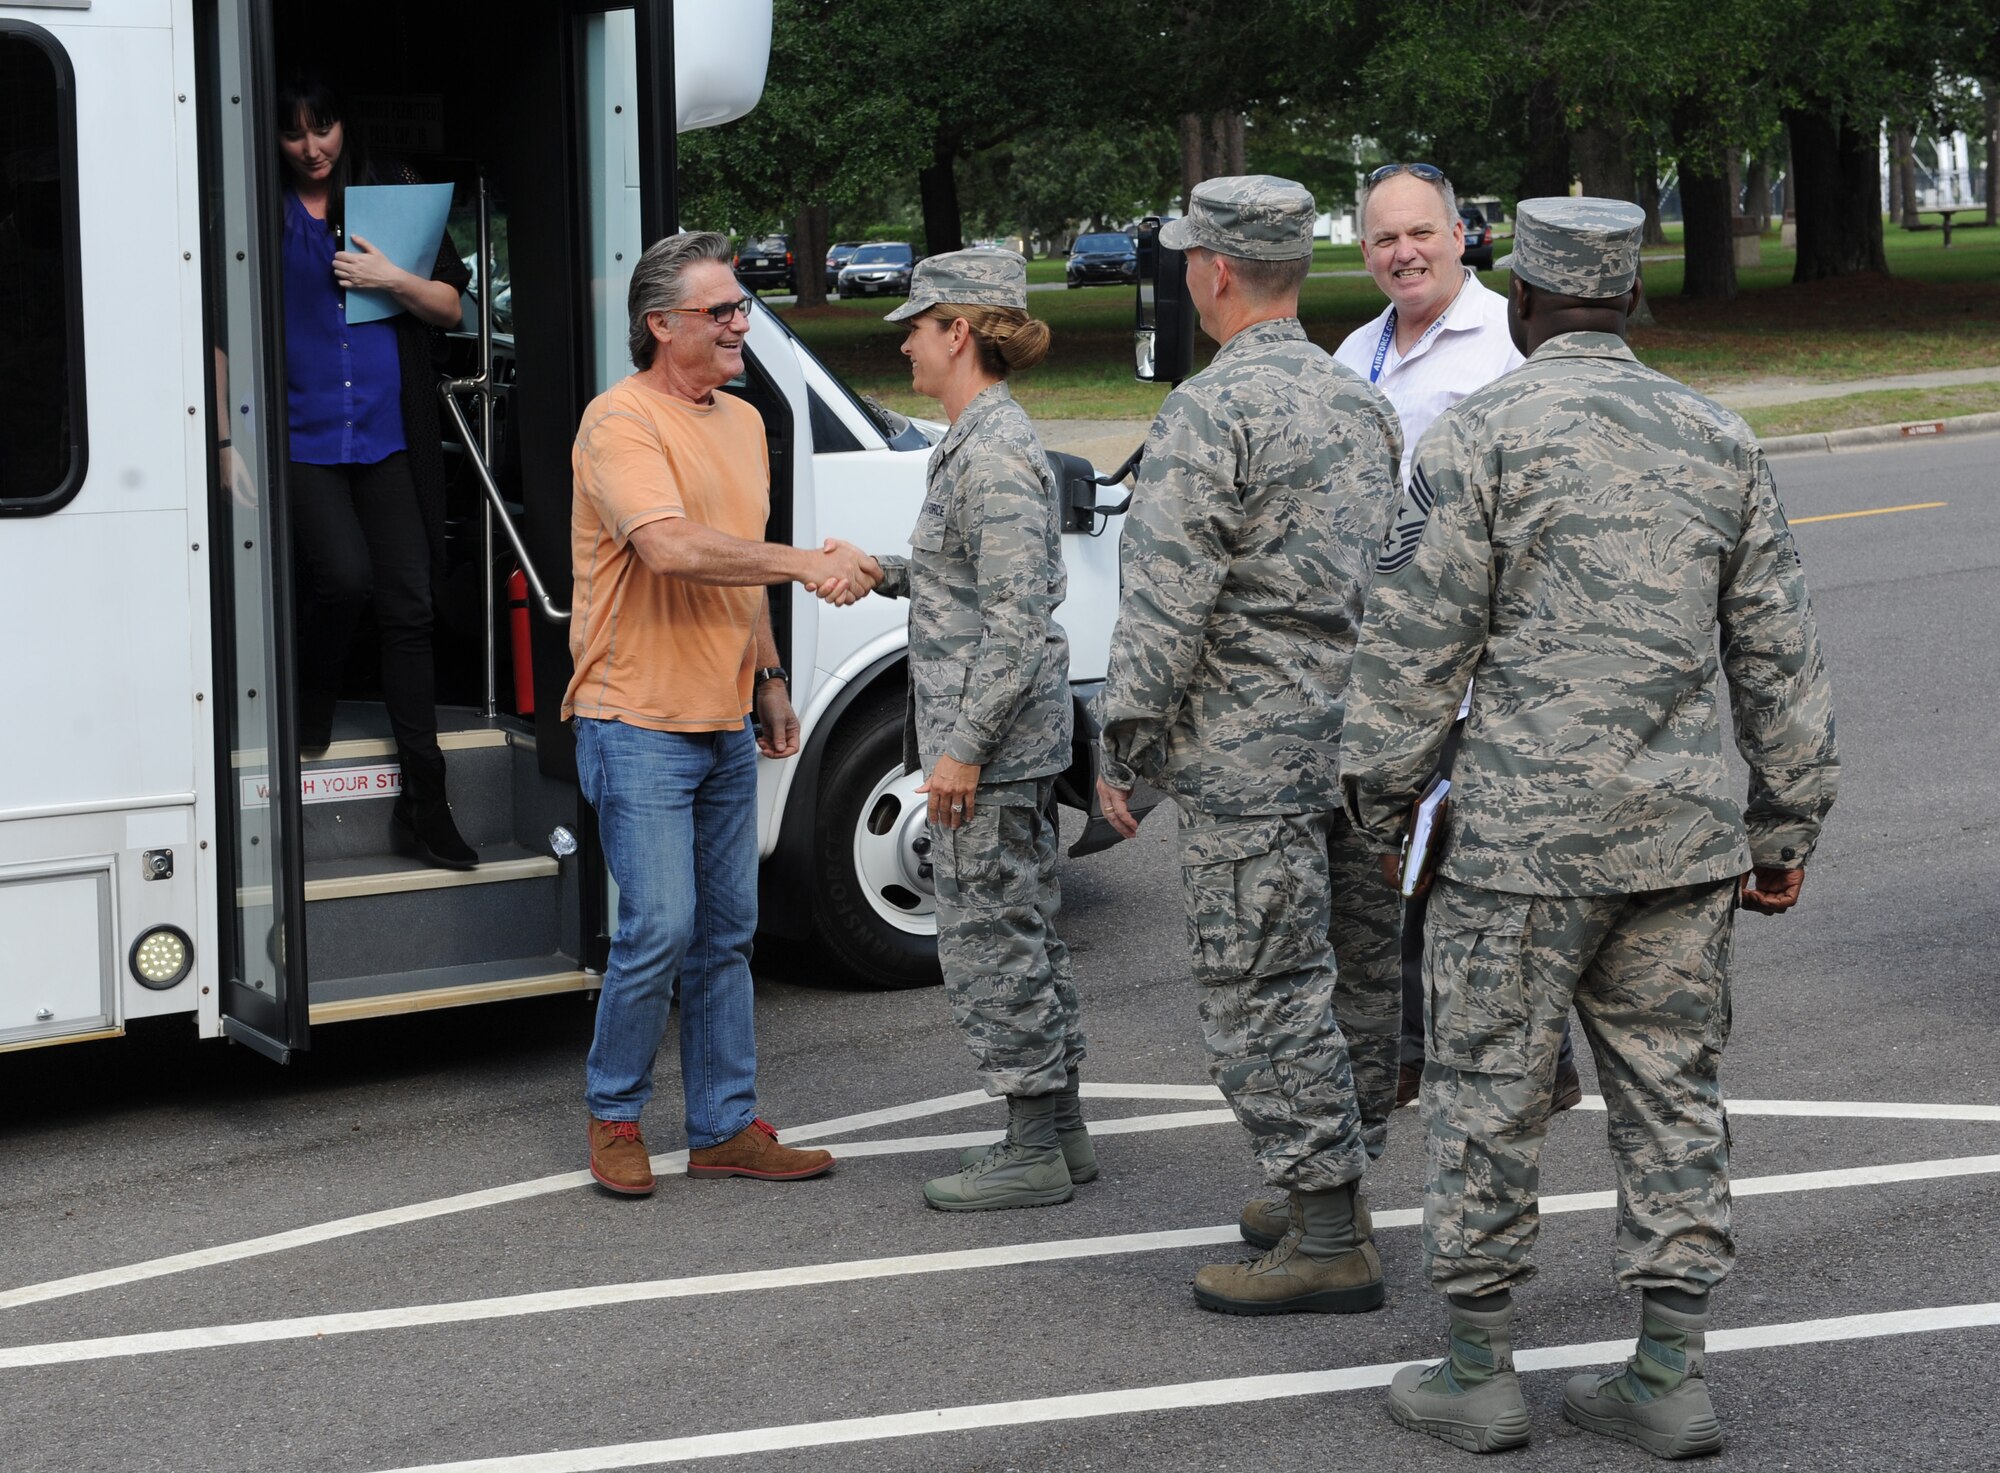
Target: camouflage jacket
column 1573, row 535
column 1266, row 485
column 989, row 665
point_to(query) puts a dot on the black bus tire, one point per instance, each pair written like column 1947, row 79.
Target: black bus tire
column 866, row 751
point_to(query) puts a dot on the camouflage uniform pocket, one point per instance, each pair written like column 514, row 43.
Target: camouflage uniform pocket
column 989, row 862
column 1475, row 983
column 1256, row 892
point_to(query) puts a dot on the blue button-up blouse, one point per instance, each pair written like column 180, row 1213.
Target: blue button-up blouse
column 343, row 386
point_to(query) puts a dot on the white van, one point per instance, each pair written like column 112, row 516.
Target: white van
column 163, row 850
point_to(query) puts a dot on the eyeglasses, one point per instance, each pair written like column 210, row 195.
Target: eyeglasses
column 1429, row 173
column 720, row 313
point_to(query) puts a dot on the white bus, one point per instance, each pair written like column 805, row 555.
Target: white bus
column 163, row 849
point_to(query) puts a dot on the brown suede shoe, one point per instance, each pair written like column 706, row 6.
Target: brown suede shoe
column 618, row 1157
column 1409, row 1083
column 754, row 1151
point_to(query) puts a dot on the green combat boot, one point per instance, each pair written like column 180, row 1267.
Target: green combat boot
column 1025, row 1168
column 1471, row 1398
column 1078, row 1153
column 1659, row 1399
column 1264, row 1220
column 1324, row 1264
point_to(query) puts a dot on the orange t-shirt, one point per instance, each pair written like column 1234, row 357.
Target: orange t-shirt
column 652, row 650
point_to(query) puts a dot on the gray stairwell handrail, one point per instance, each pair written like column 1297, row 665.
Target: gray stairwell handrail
column 446, row 389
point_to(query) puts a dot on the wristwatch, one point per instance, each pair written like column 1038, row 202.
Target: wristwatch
column 774, row 672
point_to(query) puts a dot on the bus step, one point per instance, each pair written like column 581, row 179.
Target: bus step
column 384, row 915
column 348, row 998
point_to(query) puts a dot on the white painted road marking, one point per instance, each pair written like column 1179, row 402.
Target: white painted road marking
column 1231, row 1392
column 843, row 1125
column 64, row 1352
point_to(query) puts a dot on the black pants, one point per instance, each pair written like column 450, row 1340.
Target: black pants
column 360, row 538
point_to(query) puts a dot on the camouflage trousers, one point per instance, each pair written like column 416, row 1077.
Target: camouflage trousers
column 1649, row 977
column 1006, row 970
column 1259, row 915
column 1368, row 985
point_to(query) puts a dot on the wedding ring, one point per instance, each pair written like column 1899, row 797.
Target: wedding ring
column 958, row 808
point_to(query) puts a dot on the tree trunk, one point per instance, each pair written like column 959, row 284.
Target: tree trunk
column 1547, row 170
column 1211, row 144
column 1603, row 155
column 809, row 232
column 1903, row 159
column 1757, row 192
column 1895, row 179
column 1647, row 194
column 938, row 184
column 1710, row 249
column 1839, row 197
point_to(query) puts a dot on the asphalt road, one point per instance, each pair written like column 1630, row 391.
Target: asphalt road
column 1877, row 992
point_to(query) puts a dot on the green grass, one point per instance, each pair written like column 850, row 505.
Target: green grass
column 1882, row 407
column 1939, row 309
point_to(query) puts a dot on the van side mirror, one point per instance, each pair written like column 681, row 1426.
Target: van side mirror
column 1163, row 329
column 1077, row 481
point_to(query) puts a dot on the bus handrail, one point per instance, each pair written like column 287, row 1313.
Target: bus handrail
column 447, row 389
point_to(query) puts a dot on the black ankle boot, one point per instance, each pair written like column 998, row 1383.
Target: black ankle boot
column 425, row 830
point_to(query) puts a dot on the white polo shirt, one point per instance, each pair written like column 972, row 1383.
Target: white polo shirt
column 1462, row 352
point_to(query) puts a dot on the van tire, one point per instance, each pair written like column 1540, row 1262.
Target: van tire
column 864, row 752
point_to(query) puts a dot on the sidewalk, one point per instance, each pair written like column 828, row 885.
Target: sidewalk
column 1106, row 442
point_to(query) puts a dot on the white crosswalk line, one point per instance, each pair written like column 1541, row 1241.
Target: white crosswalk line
column 1234, row 1391
column 308, row 1327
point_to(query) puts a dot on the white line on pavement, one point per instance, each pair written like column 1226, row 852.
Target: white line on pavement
column 1233, row 1391
column 676, row 1161
column 308, row 1327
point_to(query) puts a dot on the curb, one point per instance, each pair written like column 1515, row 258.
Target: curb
column 1918, row 429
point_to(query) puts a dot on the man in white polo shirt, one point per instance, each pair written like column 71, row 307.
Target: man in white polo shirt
column 1442, row 336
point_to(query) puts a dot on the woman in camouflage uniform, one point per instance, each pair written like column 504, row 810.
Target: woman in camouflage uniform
column 989, row 721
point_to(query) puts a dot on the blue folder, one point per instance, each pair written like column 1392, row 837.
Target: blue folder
column 404, row 222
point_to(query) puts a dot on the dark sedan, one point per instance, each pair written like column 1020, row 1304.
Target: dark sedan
column 880, row 268
column 1099, row 260
column 1478, row 238
column 837, row 256
column 764, row 263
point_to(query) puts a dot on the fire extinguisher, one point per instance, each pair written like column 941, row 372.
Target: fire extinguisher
column 524, row 658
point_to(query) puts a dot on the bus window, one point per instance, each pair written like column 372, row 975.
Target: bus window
column 41, row 304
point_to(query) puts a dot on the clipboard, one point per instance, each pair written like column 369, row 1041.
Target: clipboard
column 405, row 222
column 1423, row 844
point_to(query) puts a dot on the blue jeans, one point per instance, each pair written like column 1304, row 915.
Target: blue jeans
column 677, row 814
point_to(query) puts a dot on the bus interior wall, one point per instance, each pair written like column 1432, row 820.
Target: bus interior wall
column 456, row 99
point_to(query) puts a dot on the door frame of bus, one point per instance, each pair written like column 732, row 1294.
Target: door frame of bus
column 275, row 1026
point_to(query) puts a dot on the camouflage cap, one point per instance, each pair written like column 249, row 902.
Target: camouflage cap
column 967, row 279
column 1580, row 247
column 1250, row 215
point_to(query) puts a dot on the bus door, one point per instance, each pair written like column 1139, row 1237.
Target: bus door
column 260, row 861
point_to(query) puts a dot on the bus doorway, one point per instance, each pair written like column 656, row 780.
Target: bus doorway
column 515, row 120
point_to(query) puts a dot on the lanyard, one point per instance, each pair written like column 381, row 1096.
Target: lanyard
column 1388, row 336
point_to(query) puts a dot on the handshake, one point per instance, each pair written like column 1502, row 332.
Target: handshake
column 840, row 573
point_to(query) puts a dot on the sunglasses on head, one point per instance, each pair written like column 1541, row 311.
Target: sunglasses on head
column 1429, row 173
column 720, row 313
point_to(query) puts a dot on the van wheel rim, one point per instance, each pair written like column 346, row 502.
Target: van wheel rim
column 887, row 863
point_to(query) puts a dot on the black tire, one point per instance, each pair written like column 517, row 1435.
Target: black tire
column 867, row 747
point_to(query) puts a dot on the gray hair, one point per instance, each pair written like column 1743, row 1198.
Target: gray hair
column 656, row 282
column 1442, row 186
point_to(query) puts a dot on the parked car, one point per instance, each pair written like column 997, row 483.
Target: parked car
column 1478, row 238
column 764, row 262
column 1107, row 259
column 880, row 268
column 837, row 256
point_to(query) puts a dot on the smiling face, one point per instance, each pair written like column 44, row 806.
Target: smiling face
column 1414, row 245
column 311, row 148
column 699, row 353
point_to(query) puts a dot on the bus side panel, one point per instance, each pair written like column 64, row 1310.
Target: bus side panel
column 106, row 746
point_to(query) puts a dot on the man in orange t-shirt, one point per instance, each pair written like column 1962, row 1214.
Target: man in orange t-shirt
column 671, row 637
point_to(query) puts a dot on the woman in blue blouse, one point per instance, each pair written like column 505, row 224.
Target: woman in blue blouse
column 367, row 474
